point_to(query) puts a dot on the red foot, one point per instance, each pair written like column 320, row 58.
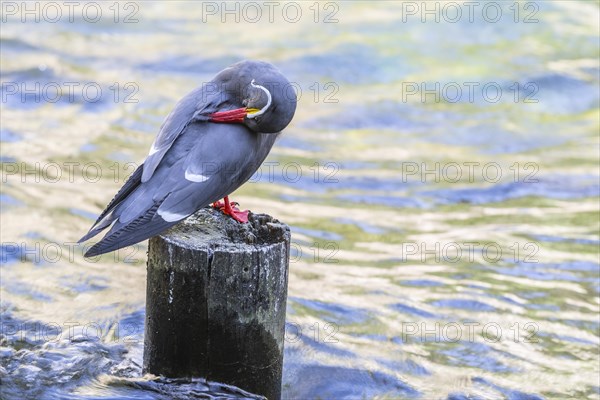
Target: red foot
column 233, row 212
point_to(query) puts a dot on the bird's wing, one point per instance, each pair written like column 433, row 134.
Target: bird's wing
column 201, row 167
column 106, row 218
column 192, row 109
column 188, row 110
column 214, row 168
column 122, row 235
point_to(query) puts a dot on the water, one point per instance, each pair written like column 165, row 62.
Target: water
column 444, row 248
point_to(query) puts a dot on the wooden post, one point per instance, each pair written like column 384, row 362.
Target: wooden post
column 215, row 302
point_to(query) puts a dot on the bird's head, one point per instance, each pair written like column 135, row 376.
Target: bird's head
column 257, row 95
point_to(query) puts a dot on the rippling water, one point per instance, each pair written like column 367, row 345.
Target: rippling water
column 440, row 179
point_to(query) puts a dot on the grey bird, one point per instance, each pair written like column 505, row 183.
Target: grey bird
column 212, row 142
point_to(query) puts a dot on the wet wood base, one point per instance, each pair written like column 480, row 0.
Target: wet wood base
column 216, row 299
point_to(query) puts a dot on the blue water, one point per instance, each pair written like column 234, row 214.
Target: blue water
column 445, row 244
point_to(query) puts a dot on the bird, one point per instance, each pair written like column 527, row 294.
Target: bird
column 211, row 143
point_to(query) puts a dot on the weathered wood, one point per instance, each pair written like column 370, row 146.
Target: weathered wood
column 216, row 298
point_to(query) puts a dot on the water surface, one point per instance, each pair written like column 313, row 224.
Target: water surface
column 445, row 247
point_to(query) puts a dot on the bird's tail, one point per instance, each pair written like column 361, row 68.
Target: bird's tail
column 107, row 217
column 123, row 235
column 98, row 227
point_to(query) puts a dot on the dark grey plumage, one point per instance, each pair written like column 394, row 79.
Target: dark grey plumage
column 195, row 161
